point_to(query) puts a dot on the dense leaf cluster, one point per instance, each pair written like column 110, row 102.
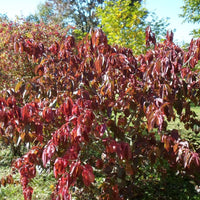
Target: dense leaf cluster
column 97, row 115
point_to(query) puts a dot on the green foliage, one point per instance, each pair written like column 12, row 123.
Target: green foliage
column 127, row 30
column 191, row 13
column 43, row 183
column 78, row 34
column 4, row 18
column 196, row 33
column 77, row 13
column 44, row 14
column 160, row 182
column 124, row 23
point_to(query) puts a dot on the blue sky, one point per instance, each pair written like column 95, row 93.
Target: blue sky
column 171, row 9
column 163, row 8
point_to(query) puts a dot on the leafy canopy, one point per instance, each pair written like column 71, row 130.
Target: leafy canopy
column 43, row 14
column 79, row 13
column 191, row 13
column 124, row 23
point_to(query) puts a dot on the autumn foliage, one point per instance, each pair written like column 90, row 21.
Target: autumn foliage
column 91, row 111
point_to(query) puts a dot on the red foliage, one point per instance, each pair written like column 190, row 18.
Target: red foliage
column 92, row 107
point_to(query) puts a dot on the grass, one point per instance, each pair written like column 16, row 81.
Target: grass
column 189, row 135
column 42, row 183
column 180, row 125
column 10, row 191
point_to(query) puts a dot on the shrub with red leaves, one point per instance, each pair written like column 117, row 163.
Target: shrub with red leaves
column 92, row 110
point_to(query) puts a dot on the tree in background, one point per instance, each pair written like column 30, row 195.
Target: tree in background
column 124, row 22
column 191, row 13
column 4, row 18
column 44, row 14
column 79, row 13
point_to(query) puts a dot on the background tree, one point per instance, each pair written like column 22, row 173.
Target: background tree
column 44, row 14
column 79, row 13
column 124, row 22
column 129, row 23
column 191, row 13
column 4, row 18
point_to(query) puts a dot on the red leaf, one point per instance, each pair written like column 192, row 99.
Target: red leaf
column 175, row 148
column 28, row 191
column 28, row 111
column 193, row 62
column 65, row 194
column 124, row 151
column 129, row 169
column 10, row 179
column 75, row 110
column 186, row 158
column 99, row 164
column 67, row 107
column 75, row 169
column 3, row 182
column 98, row 64
column 54, row 48
column 59, row 166
column 87, row 174
column 11, row 101
column 48, row 153
column 39, row 69
column 48, row 114
column 98, row 37
column 170, row 36
column 194, row 159
column 150, row 37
